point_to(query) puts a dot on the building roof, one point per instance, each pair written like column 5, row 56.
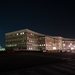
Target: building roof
column 24, row 30
column 68, row 39
column 39, row 34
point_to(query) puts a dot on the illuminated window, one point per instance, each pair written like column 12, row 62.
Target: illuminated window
column 17, row 33
column 31, row 48
column 63, row 44
column 31, row 41
column 54, row 48
column 44, row 44
column 69, row 46
column 40, row 44
column 23, row 33
column 31, row 34
column 70, row 43
column 72, row 48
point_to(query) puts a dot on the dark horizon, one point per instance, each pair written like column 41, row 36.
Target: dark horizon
column 51, row 18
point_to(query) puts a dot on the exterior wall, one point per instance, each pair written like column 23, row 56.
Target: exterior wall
column 30, row 40
column 49, row 43
column 16, row 40
column 58, row 43
column 27, row 40
column 68, row 45
column 41, row 43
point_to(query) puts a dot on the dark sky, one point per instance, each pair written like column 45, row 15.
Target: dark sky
column 51, row 18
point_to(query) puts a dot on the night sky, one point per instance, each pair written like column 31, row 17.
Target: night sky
column 51, row 18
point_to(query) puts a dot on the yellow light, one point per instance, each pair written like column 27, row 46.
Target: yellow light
column 54, row 48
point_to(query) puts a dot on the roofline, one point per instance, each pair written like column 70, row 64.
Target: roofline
column 23, row 31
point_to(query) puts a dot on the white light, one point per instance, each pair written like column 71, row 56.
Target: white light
column 72, row 48
column 17, row 33
column 31, row 34
column 31, row 48
column 23, row 33
column 54, row 48
column 69, row 46
column 70, row 43
column 63, row 44
column 40, row 44
column 44, row 44
column 31, row 41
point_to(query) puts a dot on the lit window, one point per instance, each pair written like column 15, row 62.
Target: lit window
column 31, row 48
column 44, row 44
column 54, row 48
column 63, row 44
column 69, row 46
column 70, row 43
column 31, row 34
column 31, row 41
column 72, row 48
column 40, row 44
column 23, row 33
column 17, row 33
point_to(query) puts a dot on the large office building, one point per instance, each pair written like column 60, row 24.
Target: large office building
column 29, row 40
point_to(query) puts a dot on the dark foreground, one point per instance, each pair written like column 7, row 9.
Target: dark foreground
column 37, row 64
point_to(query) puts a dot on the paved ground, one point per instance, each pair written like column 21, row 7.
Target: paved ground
column 37, row 64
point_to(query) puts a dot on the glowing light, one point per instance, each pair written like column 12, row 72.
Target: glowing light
column 54, row 48
column 69, row 46
column 44, row 44
column 23, row 33
column 72, row 48
column 31, row 48
column 31, row 34
column 63, row 44
column 17, row 33
column 70, row 43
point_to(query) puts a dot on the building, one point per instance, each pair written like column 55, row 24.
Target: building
column 29, row 40
column 68, row 44
column 22, row 40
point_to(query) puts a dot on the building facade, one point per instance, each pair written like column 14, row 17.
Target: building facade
column 68, row 44
column 29, row 40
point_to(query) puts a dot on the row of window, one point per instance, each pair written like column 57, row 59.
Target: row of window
column 11, row 45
